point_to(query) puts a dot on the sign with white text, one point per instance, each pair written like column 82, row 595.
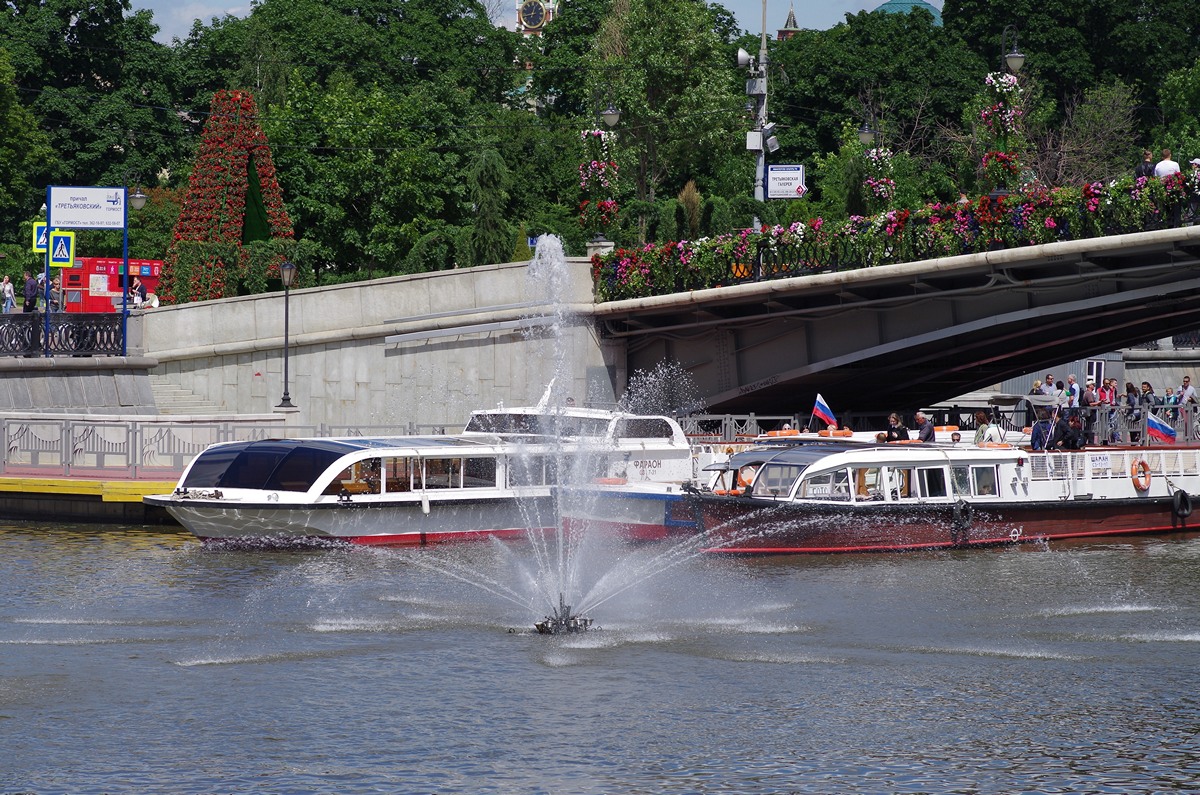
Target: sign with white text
column 87, row 208
column 785, row 182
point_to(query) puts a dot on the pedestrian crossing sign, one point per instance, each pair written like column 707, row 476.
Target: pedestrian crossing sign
column 39, row 237
column 62, row 249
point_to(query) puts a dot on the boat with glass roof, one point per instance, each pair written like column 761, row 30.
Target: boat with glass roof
column 500, row 477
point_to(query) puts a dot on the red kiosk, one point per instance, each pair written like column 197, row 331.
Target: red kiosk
column 95, row 284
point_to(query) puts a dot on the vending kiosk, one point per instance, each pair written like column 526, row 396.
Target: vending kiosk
column 96, row 284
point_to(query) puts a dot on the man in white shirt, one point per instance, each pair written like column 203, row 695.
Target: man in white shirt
column 1166, row 166
column 1187, row 392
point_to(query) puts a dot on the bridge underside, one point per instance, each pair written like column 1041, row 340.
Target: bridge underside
column 911, row 335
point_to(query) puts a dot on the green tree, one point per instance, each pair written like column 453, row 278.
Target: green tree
column 26, row 159
column 666, row 69
column 99, row 86
column 490, row 239
column 368, row 173
column 902, row 74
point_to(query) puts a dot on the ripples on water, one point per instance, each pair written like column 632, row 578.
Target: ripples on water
column 136, row 661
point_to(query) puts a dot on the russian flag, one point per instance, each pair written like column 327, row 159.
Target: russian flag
column 1157, row 428
column 822, row 411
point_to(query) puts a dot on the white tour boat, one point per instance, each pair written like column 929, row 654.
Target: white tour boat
column 840, row 497
column 499, row 477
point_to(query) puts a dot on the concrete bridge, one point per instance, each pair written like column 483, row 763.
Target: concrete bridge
column 917, row 333
column 421, row 351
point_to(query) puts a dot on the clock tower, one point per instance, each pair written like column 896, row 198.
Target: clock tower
column 534, row 15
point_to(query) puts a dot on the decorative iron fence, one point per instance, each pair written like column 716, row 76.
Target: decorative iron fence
column 51, row 446
column 70, row 334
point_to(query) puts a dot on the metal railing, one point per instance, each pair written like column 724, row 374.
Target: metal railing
column 156, row 448
column 70, row 334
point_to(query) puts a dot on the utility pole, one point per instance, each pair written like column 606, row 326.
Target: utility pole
column 762, row 138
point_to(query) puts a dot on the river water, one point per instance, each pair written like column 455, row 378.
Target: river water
column 136, row 661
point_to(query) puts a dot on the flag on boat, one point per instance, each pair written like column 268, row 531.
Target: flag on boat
column 822, row 411
column 1157, row 428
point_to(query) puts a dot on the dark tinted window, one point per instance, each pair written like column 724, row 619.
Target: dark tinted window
column 207, row 470
column 645, row 428
column 301, row 468
column 281, row 464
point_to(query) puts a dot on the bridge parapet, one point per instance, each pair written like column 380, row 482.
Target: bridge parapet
column 896, row 236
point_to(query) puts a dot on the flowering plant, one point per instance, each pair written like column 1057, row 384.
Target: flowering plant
column 1035, row 216
column 1001, row 168
column 1001, row 114
column 598, row 183
column 878, row 185
column 234, row 167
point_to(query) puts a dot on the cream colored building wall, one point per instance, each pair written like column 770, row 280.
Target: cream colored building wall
column 345, row 372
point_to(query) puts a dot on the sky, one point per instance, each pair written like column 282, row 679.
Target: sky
column 174, row 17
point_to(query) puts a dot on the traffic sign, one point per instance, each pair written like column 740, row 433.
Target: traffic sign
column 785, row 182
column 62, row 249
column 40, row 240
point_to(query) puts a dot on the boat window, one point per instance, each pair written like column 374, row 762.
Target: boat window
column 398, row 473
column 960, row 477
column 542, row 424
column 826, row 486
column 985, row 481
column 901, row 483
column 526, row 470
column 479, row 473
column 443, row 473
column 645, row 428
column 868, row 483
column 361, row 477
column 933, row 481
column 775, row 480
column 211, row 464
column 276, row 464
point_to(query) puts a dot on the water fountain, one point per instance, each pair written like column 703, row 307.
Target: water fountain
column 573, row 571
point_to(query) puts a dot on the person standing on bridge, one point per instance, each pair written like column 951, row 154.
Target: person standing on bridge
column 1166, row 167
column 1146, row 167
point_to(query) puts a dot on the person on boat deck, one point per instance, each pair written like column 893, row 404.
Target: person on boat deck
column 1187, row 392
column 924, row 427
column 1067, row 433
column 984, row 430
column 1048, row 384
column 1060, row 394
column 955, row 437
column 1039, row 435
column 896, row 432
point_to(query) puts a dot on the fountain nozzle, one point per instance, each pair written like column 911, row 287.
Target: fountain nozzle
column 561, row 621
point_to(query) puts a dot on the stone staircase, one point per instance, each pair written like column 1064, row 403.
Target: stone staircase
column 173, row 399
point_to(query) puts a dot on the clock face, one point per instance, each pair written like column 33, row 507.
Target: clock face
column 533, row 14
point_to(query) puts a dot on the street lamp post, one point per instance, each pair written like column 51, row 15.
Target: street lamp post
column 1010, row 56
column 868, row 135
column 287, row 274
column 600, row 244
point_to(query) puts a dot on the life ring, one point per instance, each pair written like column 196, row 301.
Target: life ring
column 744, row 480
column 1181, row 504
column 1139, row 472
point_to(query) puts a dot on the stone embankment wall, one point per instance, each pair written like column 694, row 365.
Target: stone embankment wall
column 407, row 352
